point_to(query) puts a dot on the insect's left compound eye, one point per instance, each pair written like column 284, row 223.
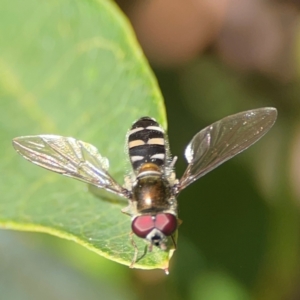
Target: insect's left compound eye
column 166, row 223
column 142, row 225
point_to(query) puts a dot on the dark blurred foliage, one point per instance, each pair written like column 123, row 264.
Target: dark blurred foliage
column 249, row 35
column 240, row 233
column 240, row 237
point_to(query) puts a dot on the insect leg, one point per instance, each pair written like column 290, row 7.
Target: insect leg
column 173, row 162
column 136, row 251
column 174, row 243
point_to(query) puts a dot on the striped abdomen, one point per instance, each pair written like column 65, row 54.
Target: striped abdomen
column 146, row 143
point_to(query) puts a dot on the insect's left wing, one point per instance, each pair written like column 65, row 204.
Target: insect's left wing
column 224, row 139
column 69, row 157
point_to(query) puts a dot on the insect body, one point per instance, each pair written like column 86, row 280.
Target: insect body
column 153, row 188
column 153, row 204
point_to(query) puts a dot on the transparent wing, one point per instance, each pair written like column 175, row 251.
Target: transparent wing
column 224, row 139
column 69, row 157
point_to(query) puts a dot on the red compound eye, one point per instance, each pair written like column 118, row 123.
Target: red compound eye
column 166, row 223
column 142, row 225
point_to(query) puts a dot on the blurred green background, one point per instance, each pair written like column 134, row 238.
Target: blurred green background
column 240, row 233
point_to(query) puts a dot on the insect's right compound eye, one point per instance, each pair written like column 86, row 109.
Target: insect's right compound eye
column 142, row 225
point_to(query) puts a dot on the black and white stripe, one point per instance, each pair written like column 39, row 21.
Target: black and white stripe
column 146, row 143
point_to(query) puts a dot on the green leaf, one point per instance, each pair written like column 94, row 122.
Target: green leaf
column 71, row 68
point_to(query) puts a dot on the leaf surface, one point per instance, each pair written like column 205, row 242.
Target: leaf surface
column 71, row 68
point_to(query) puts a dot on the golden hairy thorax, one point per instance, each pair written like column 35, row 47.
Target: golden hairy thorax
column 151, row 190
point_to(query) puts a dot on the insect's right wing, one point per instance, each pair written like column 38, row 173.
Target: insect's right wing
column 69, row 157
column 224, row 139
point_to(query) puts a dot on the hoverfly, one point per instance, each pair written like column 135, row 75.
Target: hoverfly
column 152, row 188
